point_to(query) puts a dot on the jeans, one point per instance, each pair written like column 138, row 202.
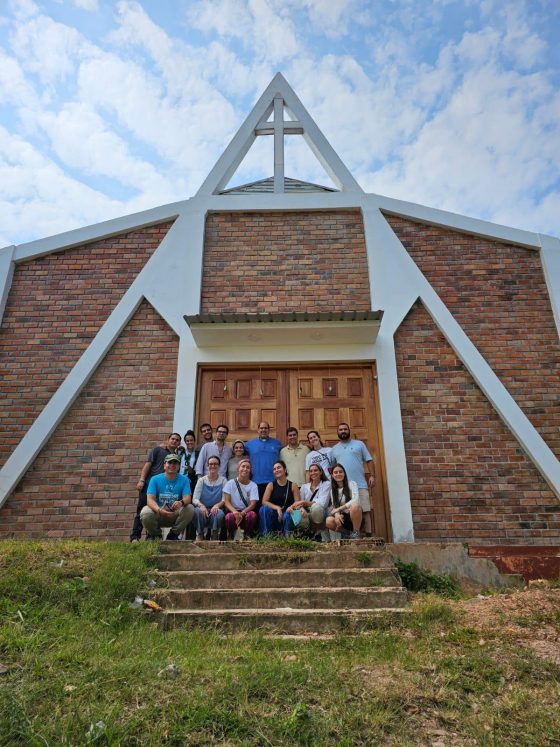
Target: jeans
column 269, row 522
column 214, row 522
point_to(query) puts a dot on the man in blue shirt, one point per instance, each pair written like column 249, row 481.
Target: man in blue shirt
column 353, row 455
column 263, row 452
column 169, row 501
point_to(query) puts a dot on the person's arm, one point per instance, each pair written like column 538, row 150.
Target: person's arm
column 199, row 467
column 143, row 475
column 371, row 469
column 197, row 493
column 152, row 503
column 266, row 496
column 297, row 499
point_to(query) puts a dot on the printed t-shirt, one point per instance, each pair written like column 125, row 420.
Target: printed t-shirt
column 169, row 491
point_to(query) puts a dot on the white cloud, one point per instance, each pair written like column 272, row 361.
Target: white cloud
column 91, row 5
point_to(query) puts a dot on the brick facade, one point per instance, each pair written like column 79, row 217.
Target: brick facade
column 56, row 306
column 497, row 293
column 83, row 483
column 295, row 261
column 469, row 479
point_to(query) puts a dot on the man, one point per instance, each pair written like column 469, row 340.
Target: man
column 153, row 466
column 353, row 455
column 217, row 448
column 263, row 452
column 168, row 501
column 206, row 432
column 293, row 454
column 241, row 500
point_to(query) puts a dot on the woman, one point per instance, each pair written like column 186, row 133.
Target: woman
column 278, row 498
column 319, row 454
column 239, row 451
column 241, row 497
column 208, row 501
column 189, row 455
column 345, row 510
column 315, row 498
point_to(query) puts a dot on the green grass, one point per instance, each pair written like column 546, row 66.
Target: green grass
column 86, row 669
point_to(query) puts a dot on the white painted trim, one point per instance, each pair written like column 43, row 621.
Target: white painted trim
column 231, row 158
column 97, row 231
column 550, row 257
column 455, row 221
column 7, row 266
column 393, row 441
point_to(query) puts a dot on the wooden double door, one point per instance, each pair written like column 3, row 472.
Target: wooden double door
column 309, row 398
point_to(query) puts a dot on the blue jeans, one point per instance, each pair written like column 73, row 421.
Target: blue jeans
column 214, row 522
column 269, row 522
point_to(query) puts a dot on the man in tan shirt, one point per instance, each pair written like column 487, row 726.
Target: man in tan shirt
column 294, row 456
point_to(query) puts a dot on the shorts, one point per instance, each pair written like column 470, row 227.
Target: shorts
column 365, row 503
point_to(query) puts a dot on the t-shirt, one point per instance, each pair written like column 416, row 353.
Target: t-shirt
column 263, row 453
column 294, row 457
column 156, row 458
column 321, row 457
column 352, row 455
column 169, row 491
column 250, row 491
column 322, row 496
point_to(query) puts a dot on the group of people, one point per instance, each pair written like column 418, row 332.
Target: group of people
column 256, row 484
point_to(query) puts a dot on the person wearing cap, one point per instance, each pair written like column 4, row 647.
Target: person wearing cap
column 152, row 466
column 168, row 501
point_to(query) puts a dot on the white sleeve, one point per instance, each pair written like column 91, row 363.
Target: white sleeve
column 199, row 468
column 253, row 492
column 197, row 492
column 308, row 460
column 323, row 497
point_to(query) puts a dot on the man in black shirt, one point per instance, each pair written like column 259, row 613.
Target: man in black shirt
column 154, row 465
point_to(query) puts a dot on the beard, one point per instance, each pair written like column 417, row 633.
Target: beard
column 344, row 436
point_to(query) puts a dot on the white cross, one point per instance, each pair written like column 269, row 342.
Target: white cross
column 279, row 127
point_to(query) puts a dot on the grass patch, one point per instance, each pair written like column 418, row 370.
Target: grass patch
column 86, row 669
column 290, row 543
column 416, row 579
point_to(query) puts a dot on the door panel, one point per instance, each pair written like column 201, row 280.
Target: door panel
column 311, row 398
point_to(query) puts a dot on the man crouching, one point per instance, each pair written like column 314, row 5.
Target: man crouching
column 169, row 501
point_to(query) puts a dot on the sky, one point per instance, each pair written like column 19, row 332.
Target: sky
column 108, row 107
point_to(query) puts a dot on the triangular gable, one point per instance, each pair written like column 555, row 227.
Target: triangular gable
column 278, row 96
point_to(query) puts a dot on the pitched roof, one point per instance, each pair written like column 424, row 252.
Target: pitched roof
column 267, row 185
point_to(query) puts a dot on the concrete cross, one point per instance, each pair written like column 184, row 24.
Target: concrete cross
column 279, row 127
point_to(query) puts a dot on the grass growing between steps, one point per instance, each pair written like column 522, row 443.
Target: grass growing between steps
column 83, row 668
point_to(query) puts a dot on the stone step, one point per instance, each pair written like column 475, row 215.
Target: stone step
column 335, row 558
column 298, row 598
column 281, row 578
column 188, row 547
column 283, row 621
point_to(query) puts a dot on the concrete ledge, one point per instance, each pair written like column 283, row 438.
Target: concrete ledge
column 454, row 560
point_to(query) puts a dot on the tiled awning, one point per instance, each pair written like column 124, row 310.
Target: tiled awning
column 286, row 328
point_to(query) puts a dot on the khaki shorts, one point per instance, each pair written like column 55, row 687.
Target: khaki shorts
column 365, row 502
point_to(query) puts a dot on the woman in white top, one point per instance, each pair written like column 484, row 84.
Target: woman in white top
column 208, row 501
column 315, row 498
column 319, row 454
column 241, row 498
column 345, row 509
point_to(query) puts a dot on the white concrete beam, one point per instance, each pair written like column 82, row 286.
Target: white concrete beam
column 7, row 267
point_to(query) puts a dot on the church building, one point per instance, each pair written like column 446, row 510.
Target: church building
column 434, row 335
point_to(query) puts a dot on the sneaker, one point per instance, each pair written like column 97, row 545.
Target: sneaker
column 354, row 536
column 172, row 536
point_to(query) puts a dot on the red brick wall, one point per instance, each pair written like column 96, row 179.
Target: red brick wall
column 83, row 483
column 298, row 261
column 497, row 293
column 56, row 305
column 469, row 479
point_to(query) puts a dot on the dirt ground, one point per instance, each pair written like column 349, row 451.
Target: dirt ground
column 531, row 614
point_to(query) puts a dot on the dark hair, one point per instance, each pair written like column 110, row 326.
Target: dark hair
column 213, row 456
column 205, row 425
column 343, row 423
column 174, row 434
column 239, row 441
column 345, row 487
column 292, row 429
column 190, row 433
column 223, row 425
column 321, row 470
column 318, row 436
column 283, row 463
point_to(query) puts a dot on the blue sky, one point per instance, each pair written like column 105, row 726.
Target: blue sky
column 109, row 107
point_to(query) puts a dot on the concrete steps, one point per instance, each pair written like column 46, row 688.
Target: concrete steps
column 282, row 588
